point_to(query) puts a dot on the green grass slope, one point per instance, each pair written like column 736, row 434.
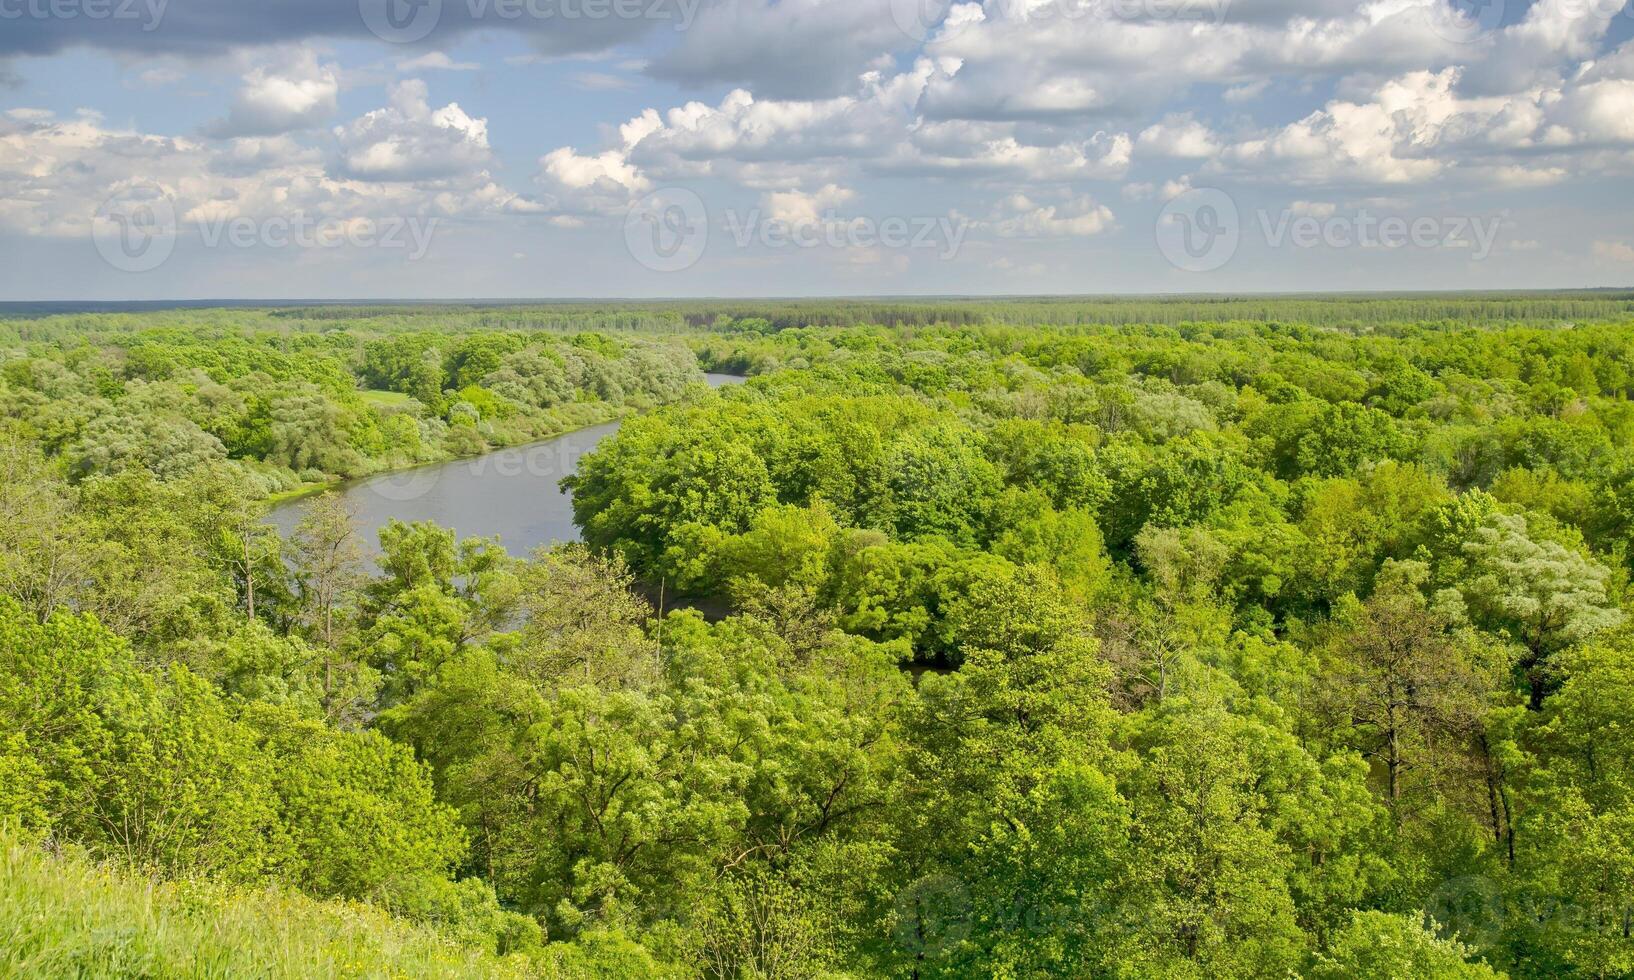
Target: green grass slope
column 68, row 917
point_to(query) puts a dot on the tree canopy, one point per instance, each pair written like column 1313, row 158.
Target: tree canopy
column 1246, row 639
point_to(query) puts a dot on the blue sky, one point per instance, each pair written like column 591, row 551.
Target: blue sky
column 557, row 148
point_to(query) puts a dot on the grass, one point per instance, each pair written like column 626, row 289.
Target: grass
column 65, row 916
column 296, row 493
column 385, row 399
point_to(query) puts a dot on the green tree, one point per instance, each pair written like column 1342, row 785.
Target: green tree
column 936, row 483
column 582, row 623
column 328, row 563
column 1540, row 593
column 1381, row 946
column 357, row 811
column 1410, row 688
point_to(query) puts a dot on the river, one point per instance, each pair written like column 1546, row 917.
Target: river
column 512, row 493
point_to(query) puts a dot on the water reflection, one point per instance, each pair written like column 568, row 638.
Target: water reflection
column 512, row 493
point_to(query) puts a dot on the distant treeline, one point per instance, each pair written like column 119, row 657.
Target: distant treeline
column 1344, row 310
column 1353, row 311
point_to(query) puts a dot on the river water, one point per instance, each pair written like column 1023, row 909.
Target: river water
column 511, row 493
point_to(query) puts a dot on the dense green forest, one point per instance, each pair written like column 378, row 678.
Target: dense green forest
column 1258, row 637
column 282, row 407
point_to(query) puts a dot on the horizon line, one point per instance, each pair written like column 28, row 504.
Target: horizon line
column 96, row 305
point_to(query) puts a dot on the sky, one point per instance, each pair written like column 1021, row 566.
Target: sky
column 446, row 149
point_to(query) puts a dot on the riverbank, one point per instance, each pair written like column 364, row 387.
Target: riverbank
column 612, row 414
column 513, row 493
column 282, row 497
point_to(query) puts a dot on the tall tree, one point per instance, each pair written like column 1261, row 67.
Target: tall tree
column 328, row 562
column 1543, row 594
column 583, row 623
column 1407, row 685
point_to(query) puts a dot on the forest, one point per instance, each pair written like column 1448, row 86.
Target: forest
column 1181, row 638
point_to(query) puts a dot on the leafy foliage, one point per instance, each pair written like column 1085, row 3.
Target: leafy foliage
column 1183, row 638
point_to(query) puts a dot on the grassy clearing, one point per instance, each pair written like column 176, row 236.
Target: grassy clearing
column 385, row 399
column 69, row 917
